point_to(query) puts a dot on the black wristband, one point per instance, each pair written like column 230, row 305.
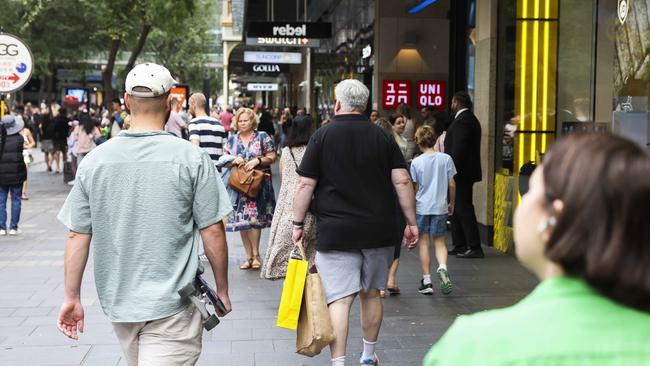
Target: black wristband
column 298, row 223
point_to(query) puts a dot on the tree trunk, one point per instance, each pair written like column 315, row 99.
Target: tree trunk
column 107, row 73
column 142, row 39
column 49, row 86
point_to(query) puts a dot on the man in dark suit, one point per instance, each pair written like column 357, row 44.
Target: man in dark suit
column 463, row 143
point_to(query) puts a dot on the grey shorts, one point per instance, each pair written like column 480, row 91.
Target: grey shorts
column 346, row 273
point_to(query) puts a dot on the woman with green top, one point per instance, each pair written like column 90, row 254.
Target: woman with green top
column 583, row 230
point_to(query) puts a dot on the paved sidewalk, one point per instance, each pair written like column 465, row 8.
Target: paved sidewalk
column 31, row 290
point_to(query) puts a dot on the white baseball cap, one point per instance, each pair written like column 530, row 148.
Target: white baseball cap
column 154, row 77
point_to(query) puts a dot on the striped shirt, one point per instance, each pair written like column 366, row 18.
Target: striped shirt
column 211, row 135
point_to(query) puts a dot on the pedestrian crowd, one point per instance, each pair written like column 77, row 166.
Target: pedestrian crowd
column 354, row 192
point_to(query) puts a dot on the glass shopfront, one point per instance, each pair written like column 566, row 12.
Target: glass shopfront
column 564, row 66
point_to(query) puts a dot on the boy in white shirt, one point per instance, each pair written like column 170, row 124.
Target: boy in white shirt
column 433, row 176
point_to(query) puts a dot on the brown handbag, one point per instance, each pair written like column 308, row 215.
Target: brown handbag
column 246, row 183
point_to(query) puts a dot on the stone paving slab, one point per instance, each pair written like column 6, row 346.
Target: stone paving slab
column 31, row 290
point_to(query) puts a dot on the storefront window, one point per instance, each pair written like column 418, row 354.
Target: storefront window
column 631, row 117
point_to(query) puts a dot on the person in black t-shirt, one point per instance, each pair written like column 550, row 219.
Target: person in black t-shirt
column 352, row 169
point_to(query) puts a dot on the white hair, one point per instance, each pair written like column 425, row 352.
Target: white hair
column 352, row 95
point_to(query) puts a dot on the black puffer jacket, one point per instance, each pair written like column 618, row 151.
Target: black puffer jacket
column 12, row 166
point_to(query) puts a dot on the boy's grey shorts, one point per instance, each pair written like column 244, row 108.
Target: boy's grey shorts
column 344, row 273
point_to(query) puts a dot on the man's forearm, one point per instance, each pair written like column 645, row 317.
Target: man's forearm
column 405, row 194
column 216, row 249
column 76, row 257
column 304, row 193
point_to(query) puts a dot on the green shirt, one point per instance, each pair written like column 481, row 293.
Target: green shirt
column 144, row 196
column 562, row 322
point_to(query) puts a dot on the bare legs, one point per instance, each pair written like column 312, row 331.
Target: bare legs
column 371, row 318
column 440, row 252
column 340, row 316
column 48, row 161
column 251, row 240
column 425, row 259
column 56, row 157
column 441, row 249
column 392, row 273
column 372, row 312
column 25, row 186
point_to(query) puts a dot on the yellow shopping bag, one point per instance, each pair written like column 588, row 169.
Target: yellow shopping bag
column 294, row 285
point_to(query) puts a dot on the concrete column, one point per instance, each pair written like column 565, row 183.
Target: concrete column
column 228, row 47
column 485, row 110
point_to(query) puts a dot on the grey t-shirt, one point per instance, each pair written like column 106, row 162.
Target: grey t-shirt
column 144, row 196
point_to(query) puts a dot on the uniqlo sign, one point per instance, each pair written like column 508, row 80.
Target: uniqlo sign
column 395, row 92
column 431, row 93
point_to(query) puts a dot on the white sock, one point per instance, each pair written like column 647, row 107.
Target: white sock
column 426, row 279
column 442, row 266
column 339, row 361
column 368, row 349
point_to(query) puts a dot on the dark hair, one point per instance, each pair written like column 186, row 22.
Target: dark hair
column 117, row 100
column 87, row 123
column 425, row 136
column 404, row 110
column 602, row 234
column 393, row 118
column 464, row 99
column 302, row 127
column 441, row 122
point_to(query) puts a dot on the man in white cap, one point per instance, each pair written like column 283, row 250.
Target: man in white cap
column 146, row 199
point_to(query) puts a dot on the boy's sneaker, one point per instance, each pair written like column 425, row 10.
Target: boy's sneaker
column 369, row 361
column 14, row 232
column 425, row 289
column 445, row 281
column 3, row 232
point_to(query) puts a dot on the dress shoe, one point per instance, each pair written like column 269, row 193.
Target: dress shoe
column 457, row 250
column 471, row 253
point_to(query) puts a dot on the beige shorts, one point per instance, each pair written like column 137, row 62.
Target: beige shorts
column 171, row 341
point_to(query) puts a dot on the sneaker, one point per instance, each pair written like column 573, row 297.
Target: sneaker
column 3, row 232
column 203, row 258
column 71, row 183
column 445, row 281
column 425, row 289
column 14, row 232
column 369, row 361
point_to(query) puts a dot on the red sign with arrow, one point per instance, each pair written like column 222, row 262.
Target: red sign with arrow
column 13, row 77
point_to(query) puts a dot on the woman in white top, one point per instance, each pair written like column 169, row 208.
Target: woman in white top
column 399, row 123
column 28, row 144
column 409, row 130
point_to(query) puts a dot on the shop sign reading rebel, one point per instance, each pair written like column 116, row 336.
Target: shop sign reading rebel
column 266, row 68
column 395, row 92
column 289, row 29
column 281, row 41
column 431, row 93
column 273, row 57
column 16, row 63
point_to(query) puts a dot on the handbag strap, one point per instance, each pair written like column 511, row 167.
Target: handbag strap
column 301, row 249
column 293, row 157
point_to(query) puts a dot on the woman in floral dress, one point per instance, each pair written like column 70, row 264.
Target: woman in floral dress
column 280, row 243
column 254, row 150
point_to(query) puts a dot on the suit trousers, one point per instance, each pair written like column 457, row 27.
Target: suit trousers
column 464, row 228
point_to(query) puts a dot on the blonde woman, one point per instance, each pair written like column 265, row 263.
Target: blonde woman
column 254, row 150
column 28, row 145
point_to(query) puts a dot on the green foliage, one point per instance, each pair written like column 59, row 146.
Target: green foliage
column 67, row 32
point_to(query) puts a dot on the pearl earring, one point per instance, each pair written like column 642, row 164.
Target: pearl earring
column 544, row 225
